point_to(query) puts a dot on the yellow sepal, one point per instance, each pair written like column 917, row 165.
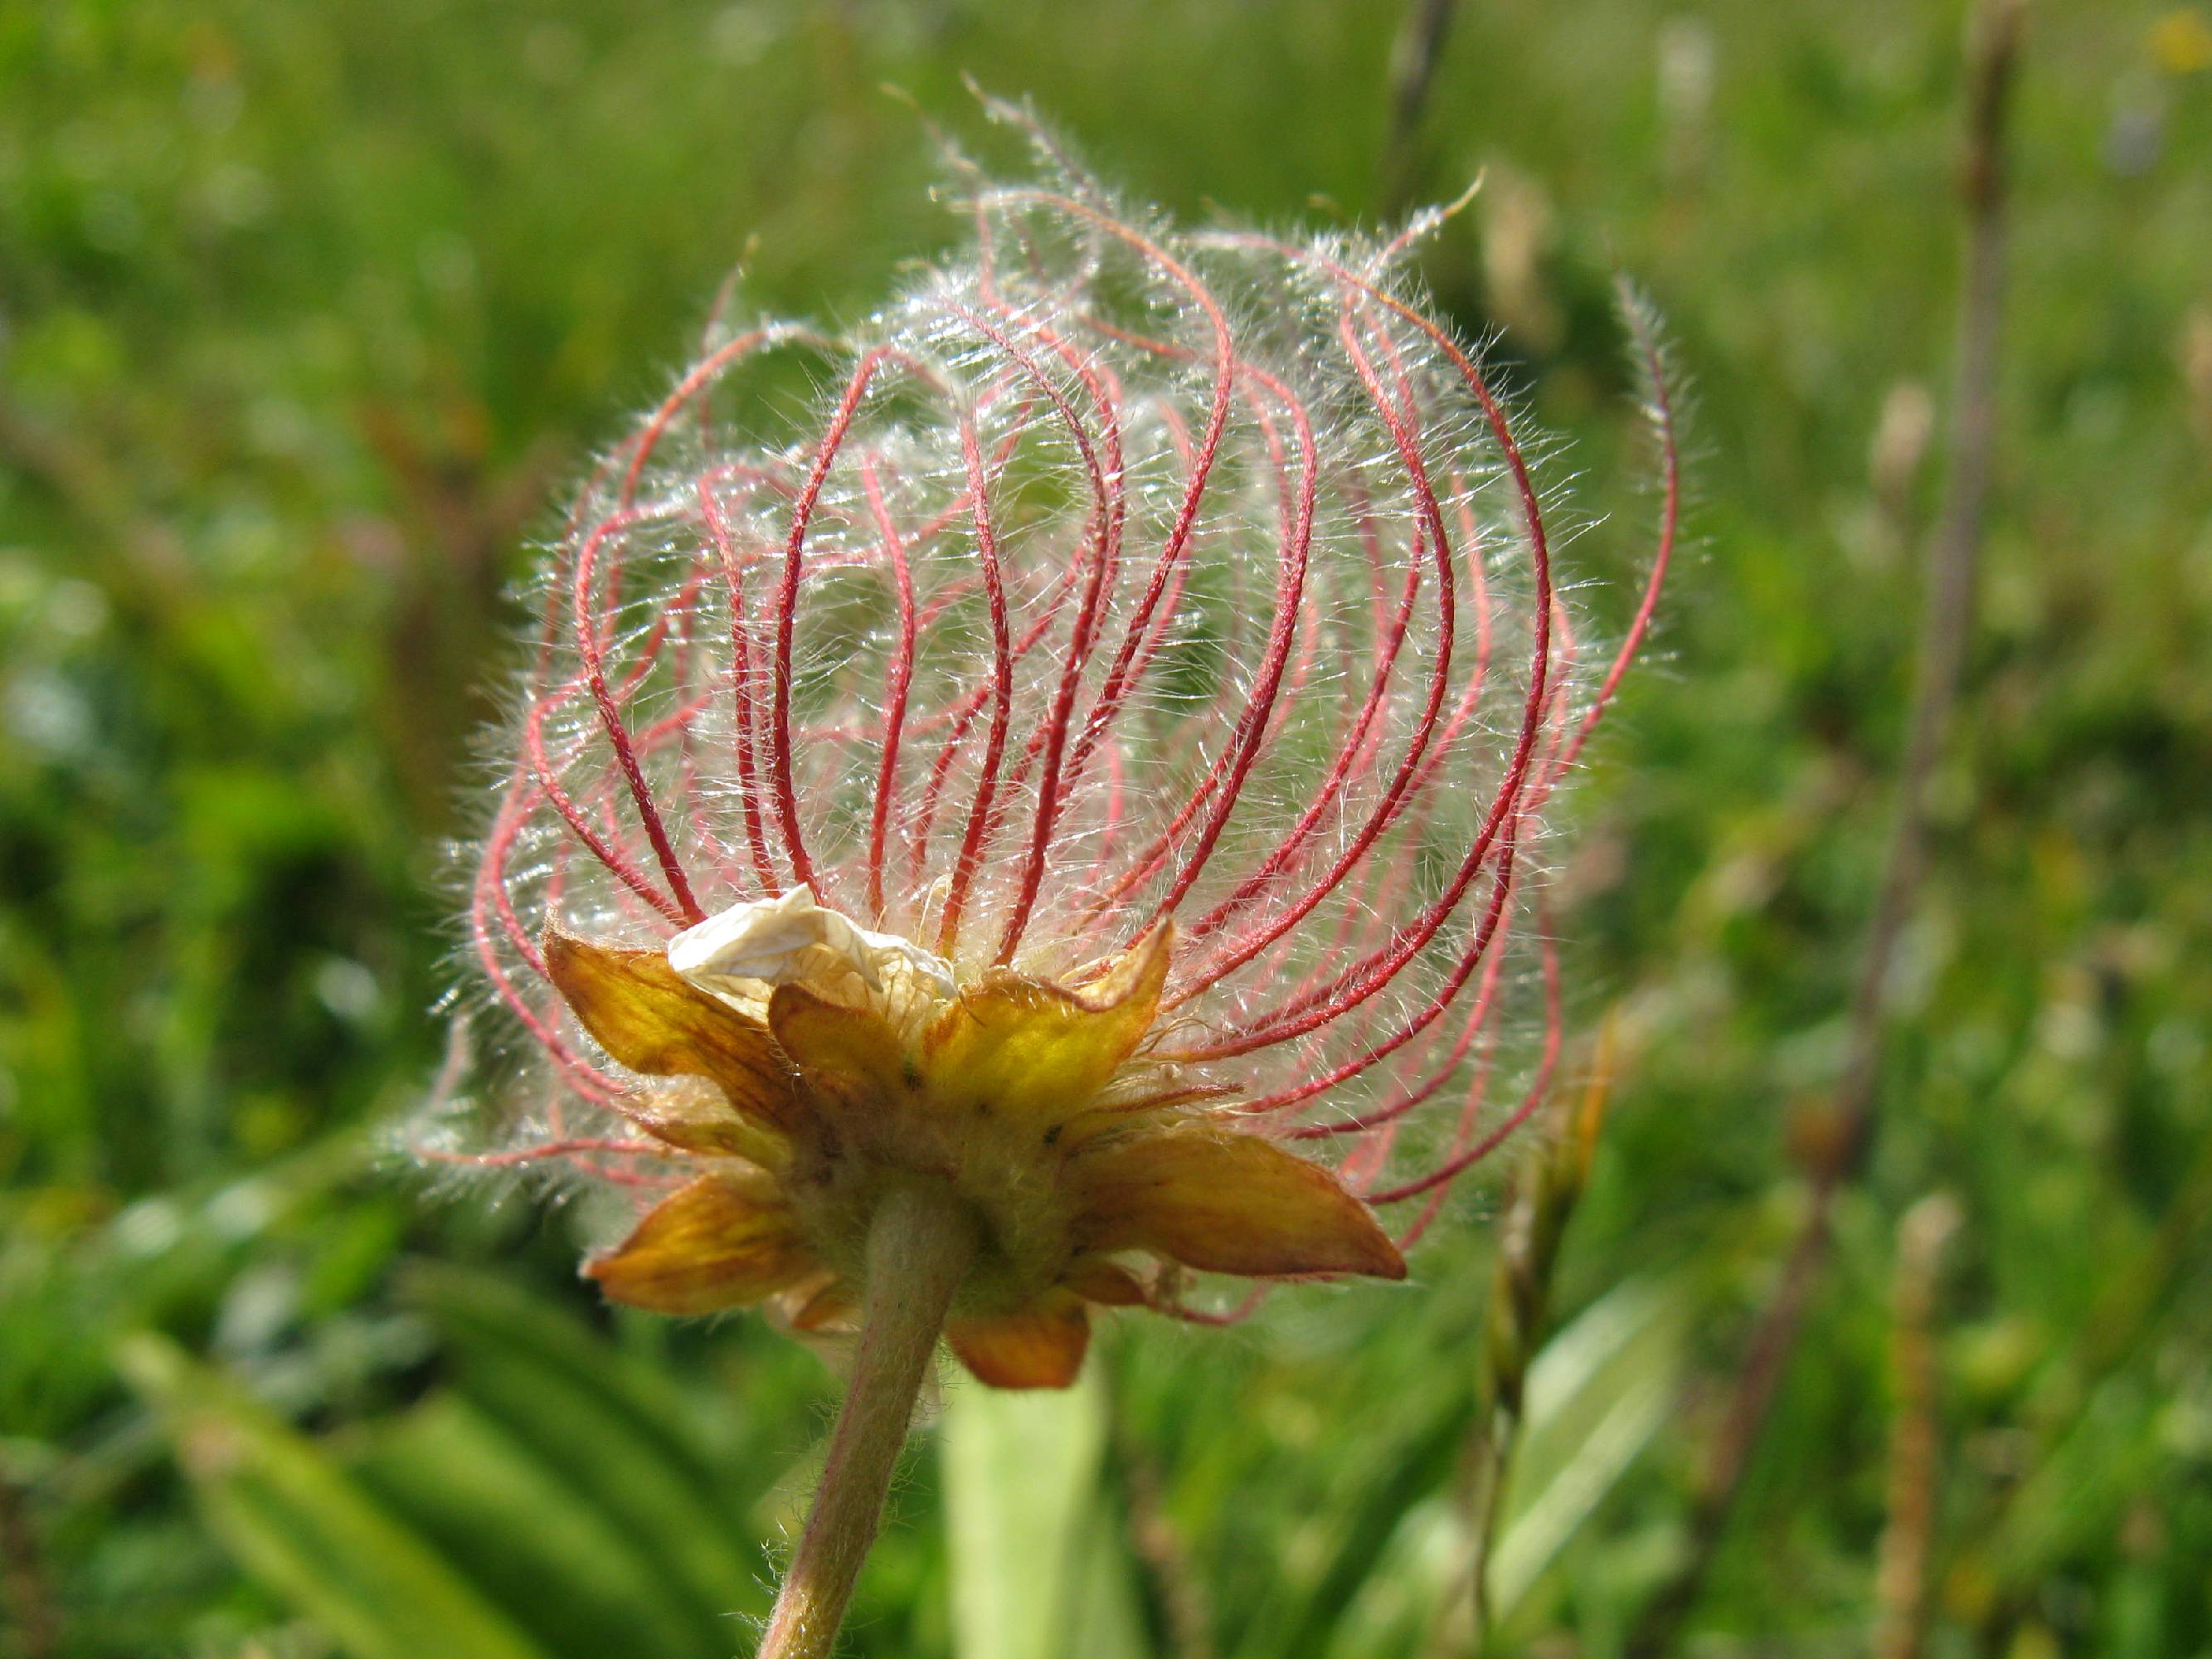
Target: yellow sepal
column 1033, row 1052
column 725, row 1241
column 649, row 1019
column 1224, row 1202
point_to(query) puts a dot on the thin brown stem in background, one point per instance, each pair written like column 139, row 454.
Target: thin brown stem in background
column 1901, row 1574
column 1413, row 62
column 1947, row 618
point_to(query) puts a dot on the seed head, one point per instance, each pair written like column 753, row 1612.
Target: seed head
column 1088, row 757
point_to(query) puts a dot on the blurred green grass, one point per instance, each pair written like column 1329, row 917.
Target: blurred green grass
column 305, row 312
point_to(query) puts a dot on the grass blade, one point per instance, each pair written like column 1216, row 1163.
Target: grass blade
column 1038, row 1570
column 295, row 1521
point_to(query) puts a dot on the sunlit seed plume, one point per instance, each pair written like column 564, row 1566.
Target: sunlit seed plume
column 1149, row 627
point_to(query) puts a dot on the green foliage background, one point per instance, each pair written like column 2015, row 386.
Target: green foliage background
column 306, row 310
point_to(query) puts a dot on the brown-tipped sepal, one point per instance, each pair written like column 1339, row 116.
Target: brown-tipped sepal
column 1037, row 1346
column 650, row 1020
column 1224, row 1202
column 725, row 1241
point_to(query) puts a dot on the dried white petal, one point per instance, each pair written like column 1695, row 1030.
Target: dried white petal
column 743, row 953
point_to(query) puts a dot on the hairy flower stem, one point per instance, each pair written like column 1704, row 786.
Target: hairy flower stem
column 919, row 1246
